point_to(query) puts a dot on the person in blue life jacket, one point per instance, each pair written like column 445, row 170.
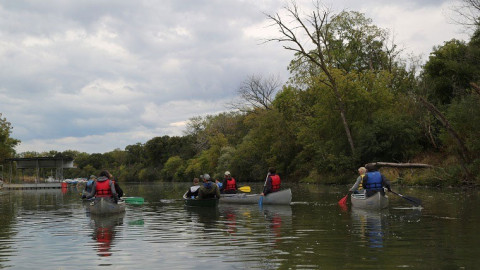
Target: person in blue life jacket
column 89, row 186
column 357, row 188
column 193, row 190
column 103, row 188
column 219, row 184
column 374, row 181
column 208, row 189
column 272, row 184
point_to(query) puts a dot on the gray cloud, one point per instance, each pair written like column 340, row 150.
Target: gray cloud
column 98, row 75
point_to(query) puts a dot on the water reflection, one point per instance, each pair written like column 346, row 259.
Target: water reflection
column 240, row 220
column 370, row 225
column 277, row 217
column 42, row 228
column 104, row 230
column 205, row 217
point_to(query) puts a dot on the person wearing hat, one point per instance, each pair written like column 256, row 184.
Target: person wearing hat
column 88, row 186
column 229, row 185
column 208, row 189
column 374, row 181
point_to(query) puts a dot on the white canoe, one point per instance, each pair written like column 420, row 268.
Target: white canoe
column 282, row 197
column 104, row 206
column 376, row 201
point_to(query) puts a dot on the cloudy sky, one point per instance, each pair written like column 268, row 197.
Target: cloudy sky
column 95, row 75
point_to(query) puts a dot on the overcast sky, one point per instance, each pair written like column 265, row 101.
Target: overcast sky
column 97, row 75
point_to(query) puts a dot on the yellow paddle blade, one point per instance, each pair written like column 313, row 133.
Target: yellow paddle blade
column 245, row 189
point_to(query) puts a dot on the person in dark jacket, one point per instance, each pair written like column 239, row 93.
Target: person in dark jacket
column 115, row 183
column 374, row 181
column 193, row 190
column 272, row 183
column 208, row 189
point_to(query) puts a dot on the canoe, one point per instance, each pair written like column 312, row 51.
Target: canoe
column 104, row 206
column 282, row 197
column 200, row 202
column 376, row 201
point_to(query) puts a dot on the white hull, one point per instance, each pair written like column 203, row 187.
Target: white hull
column 376, row 201
column 282, row 197
column 103, row 206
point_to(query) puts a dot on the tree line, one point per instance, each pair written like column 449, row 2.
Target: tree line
column 351, row 99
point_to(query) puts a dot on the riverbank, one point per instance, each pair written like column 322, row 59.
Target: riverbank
column 446, row 171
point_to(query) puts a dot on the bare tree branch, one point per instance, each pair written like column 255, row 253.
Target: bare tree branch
column 467, row 13
column 257, row 92
column 315, row 27
column 464, row 153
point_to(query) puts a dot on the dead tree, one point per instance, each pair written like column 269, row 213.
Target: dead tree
column 316, row 29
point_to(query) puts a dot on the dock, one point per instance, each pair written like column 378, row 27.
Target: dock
column 33, row 186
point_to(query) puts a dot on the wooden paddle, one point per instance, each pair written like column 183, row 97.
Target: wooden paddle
column 245, row 189
column 412, row 200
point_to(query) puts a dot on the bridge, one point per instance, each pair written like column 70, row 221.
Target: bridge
column 57, row 163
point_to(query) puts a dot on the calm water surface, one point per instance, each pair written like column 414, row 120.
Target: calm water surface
column 51, row 229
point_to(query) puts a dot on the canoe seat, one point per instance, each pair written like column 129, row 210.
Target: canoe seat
column 359, row 196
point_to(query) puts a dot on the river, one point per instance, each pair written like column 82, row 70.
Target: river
column 51, row 229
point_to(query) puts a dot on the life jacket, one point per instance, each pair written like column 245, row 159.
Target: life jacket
column 275, row 182
column 374, row 181
column 103, row 189
column 89, row 185
column 231, row 185
column 360, row 186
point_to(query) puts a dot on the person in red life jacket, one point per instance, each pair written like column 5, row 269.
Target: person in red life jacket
column 374, row 181
column 103, row 187
column 229, row 185
column 272, row 184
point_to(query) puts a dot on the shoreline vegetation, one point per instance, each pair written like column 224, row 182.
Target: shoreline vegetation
column 350, row 100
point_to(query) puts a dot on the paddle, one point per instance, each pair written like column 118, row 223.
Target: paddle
column 343, row 201
column 245, row 189
column 412, row 200
column 260, row 202
column 133, row 200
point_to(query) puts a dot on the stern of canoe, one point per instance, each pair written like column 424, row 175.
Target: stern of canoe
column 376, row 201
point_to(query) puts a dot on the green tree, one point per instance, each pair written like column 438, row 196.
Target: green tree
column 449, row 71
column 7, row 144
column 173, row 169
column 342, row 43
column 135, row 154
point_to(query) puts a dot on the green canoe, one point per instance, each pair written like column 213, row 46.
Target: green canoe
column 200, row 202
